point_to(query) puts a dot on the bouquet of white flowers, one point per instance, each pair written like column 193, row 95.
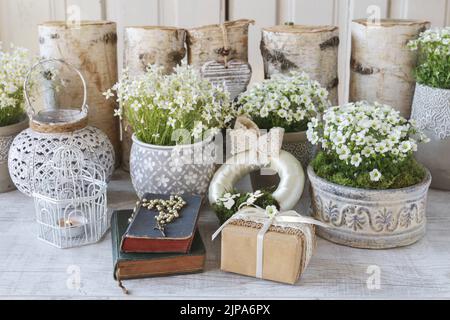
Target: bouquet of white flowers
column 366, row 145
column 286, row 101
column 14, row 66
column 156, row 104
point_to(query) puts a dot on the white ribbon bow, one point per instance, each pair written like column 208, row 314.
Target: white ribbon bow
column 257, row 213
column 247, row 136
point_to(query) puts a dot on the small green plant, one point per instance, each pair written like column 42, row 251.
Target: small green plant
column 286, row 101
column 366, row 146
column 433, row 68
column 232, row 201
column 156, row 105
column 14, row 66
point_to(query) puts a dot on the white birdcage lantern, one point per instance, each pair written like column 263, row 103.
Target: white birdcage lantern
column 70, row 199
column 58, row 117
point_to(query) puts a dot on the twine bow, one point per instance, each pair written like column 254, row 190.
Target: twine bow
column 268, row 217
column 246, row 136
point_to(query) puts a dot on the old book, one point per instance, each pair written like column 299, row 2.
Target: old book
column 142, row 265
column 141, row 235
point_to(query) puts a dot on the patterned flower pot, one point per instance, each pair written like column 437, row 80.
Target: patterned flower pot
column 431, row 110
column 298, row 145
column 7, row 135
column 172, row 169
column 373, row 219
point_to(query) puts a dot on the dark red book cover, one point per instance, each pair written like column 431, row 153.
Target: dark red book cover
column 141, row 235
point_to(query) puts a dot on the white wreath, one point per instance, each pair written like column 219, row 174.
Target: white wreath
column 289, row 169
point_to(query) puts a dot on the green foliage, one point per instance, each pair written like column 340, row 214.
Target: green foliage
column 224, row 214
column 404, row 173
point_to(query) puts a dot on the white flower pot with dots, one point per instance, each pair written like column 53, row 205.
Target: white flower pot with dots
column 55, row 123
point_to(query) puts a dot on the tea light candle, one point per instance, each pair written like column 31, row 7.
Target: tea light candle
column 73, row 226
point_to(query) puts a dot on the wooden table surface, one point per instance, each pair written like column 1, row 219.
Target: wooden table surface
column 32, row 269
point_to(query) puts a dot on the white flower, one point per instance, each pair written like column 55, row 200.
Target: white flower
column 355, row 160
column 171, row 122
column 108, row 94
column 375, row 175
column 367, row 151
column 343, row 152
column 228, row 200
column 271, row 211
column 405, row 146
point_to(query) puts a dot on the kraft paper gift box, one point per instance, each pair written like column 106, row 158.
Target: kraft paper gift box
column 286, row 251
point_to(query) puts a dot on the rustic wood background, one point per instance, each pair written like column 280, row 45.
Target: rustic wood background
column 19, row 15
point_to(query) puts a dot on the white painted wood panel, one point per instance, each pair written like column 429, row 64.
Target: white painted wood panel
column 431, row 10
column 264, row 16
column 190, row 13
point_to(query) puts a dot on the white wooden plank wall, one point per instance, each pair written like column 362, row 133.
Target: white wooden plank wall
column 19, row 18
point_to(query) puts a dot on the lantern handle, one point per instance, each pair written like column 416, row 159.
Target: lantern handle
column 30, row 110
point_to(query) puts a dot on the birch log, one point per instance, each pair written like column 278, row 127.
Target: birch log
column 312, row 49
column 164, row 46
column 205, row 43
column 381, row 64
column 91, row 47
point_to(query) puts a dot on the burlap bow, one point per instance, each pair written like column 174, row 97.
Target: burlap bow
column 271, row 217
column 246, row 136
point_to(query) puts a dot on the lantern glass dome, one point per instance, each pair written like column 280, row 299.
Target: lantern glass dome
column 55, row 92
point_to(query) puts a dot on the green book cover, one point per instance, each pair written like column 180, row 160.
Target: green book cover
column 141, row 265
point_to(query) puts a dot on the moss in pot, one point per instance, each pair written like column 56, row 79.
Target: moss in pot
column 365, row 182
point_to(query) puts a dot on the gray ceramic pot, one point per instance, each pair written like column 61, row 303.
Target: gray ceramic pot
column 373, row 219
column 431, row 110
column 172, row 170
column 295, row 143
column 7, row 135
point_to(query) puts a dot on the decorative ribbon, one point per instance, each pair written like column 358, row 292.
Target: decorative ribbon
column 247, row 136
column 285, row 218
column 226, row 45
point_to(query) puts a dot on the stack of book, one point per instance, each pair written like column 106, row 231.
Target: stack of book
column 140, row 250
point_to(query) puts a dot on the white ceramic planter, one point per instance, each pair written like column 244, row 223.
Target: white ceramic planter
column 7, row 135
column 373, row 219
column 295, row 143
column 171, row 170
column 431, row 110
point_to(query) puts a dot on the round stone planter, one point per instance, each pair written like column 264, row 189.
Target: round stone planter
column 7, row 135
column 431, row 110
column 172, row 169
column 372, row 219
column 295, row 143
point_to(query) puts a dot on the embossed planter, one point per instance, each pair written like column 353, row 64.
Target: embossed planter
column 295, row 143
column 431, row 110
column 7, row 135
column 172, row 170
column 372, row 219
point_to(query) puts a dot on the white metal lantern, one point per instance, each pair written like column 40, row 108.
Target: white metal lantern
column 55, row 122
column 70, row 199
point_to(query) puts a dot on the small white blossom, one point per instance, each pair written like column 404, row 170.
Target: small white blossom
column 375, row 175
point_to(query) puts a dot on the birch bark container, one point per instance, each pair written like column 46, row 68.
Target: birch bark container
column 91, row 47
column 382, row 65
column 164, row 46
column 312, row 49
column 206, row 43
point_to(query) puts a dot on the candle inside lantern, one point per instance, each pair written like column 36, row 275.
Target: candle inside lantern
column 73, row 226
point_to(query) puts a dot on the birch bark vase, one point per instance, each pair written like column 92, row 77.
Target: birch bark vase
column 164, row 46
column 381, row 64
column 312, row 49
column 205, row 43
column 91, row 47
